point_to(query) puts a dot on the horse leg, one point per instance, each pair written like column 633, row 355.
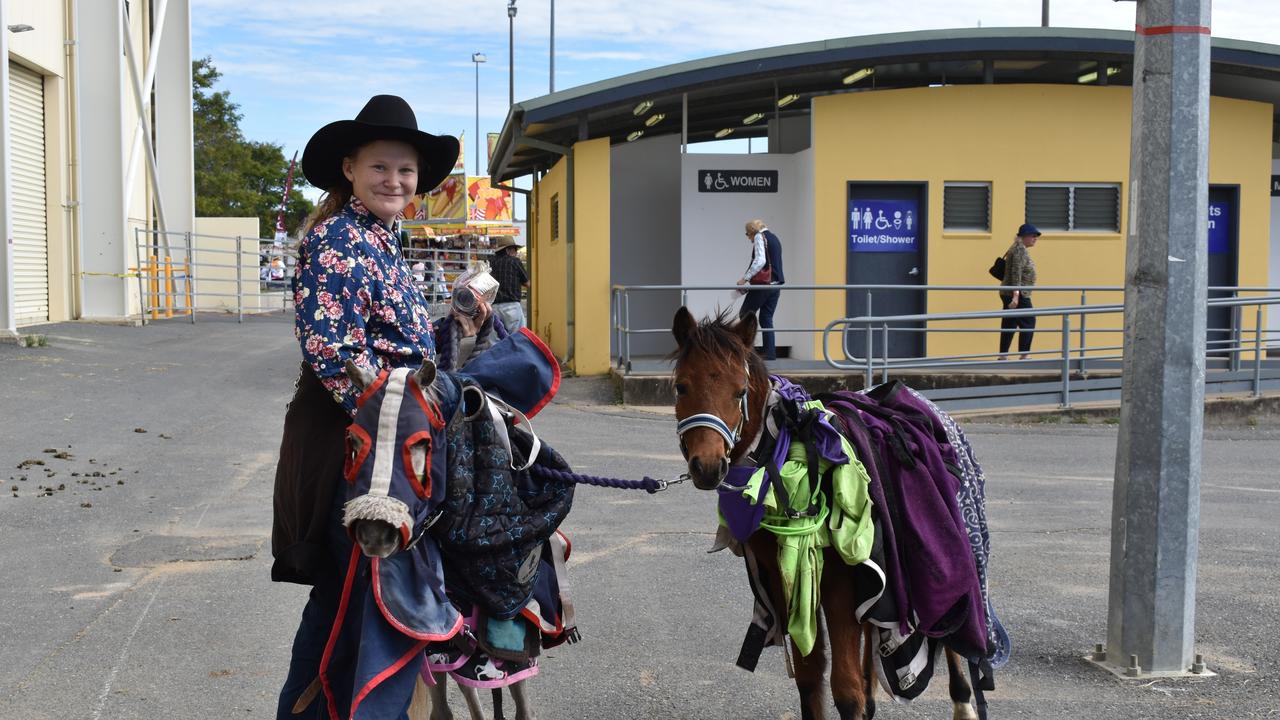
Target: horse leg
column 524, row 709
column 868, row 670
column 439, row 693
column 472, row 697
column 497, row 704
column 809, row 670
column 419, row 704
column 844, row 634
column 958, row 685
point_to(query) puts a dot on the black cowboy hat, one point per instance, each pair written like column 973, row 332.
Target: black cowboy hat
column 384, row 117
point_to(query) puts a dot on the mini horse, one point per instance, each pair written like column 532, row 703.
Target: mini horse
column 391, row 440
column 721, row 391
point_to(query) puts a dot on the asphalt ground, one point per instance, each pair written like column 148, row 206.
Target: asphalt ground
column 137, row 584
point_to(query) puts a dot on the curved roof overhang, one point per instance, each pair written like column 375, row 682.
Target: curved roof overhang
column 723, row 91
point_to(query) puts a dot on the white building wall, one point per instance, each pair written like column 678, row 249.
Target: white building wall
column 117, row 195
column 40, row 48
column 644, row 234
column 714, row 249
column 100, row 94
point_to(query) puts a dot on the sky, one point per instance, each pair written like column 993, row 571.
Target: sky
column 295, row 65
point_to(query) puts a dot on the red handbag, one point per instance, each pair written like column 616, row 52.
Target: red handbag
column 764, row 277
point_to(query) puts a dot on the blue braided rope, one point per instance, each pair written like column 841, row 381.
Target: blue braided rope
column 648, row 484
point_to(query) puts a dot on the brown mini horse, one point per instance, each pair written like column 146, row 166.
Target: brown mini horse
column 719, row 378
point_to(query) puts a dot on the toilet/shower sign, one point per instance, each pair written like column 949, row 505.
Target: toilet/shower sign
column 738, row 181
column 883, row 225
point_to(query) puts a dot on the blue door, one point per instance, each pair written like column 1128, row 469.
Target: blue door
column 1223, row 238
column 886, row 244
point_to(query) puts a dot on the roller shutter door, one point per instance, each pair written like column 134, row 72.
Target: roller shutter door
column 27, row 175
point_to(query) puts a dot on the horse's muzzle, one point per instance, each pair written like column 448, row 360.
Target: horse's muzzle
column 707, row 475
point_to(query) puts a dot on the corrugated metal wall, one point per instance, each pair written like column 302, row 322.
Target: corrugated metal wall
column 27, row 176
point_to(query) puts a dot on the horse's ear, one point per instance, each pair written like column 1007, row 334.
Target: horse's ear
column 746, row 330
column 426, row 374
column 360, row 377
column 682, row 325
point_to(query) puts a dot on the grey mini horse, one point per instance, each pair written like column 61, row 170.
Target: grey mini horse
column 718, row 376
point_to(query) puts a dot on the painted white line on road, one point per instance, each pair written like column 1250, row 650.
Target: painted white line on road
column 1247, row 489
column 124, row 651
column 1107, row 480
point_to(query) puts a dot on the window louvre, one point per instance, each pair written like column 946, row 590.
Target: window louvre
column 1096, row 208
column 966, row 206
column 1049, row 208
column 555, row 217
column 1080, row 207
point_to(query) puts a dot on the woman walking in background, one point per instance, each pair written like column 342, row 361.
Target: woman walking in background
column 1019, row 270
column 765, row 269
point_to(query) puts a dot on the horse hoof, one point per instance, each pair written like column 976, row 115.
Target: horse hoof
column 963, row 711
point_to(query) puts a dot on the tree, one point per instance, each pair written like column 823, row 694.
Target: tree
column 236, row 177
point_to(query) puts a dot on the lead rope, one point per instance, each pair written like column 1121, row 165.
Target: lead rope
column 648, row 484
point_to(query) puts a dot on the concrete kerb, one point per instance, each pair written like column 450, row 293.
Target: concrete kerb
column 653, row 392
column 1237, row 410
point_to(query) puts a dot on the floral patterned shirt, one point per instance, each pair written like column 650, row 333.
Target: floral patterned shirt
column 355, row 299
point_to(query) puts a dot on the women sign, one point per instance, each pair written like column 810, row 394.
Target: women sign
column 883, row 225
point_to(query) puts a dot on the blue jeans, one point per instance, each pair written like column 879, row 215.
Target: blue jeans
column 766, row 302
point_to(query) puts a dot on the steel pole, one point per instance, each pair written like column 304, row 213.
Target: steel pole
column 477, row 140
column 239, row 279
column 553, row 46
column 1257, row 353
column 1066, row 361
column 1155, row 516
column 511, row 54
column 8, row 312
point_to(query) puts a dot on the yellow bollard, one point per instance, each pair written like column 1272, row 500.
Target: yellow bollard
column 168, row 287
column 153, row 274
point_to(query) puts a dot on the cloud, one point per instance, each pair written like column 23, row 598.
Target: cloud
column 294, row 65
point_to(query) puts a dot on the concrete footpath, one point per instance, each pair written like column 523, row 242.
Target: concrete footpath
column 135, row 505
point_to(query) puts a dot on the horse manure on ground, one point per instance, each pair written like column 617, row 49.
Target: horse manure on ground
column 139, row 430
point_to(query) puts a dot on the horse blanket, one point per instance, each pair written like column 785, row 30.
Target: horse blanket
column 449, row 466
column 919, row 578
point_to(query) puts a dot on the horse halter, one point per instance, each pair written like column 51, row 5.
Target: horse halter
column 713, row 421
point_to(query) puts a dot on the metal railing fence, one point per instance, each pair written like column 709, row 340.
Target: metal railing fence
column 1074, row 352
column 182, row 273
column 1241, row 341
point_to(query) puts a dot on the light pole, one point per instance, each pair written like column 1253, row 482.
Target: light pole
column 553, row 45
column 478, row 58
column 511, row 52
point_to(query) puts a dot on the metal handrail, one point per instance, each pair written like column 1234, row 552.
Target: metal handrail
column 1066, row 357
column 1233, row 347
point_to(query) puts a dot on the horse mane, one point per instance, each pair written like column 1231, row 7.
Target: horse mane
column 716, row 336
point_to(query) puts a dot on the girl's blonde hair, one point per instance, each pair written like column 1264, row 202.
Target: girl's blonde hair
column 755, row 226
column 331, row 203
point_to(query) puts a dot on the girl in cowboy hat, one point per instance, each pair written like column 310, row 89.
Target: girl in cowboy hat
column 355, row 301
